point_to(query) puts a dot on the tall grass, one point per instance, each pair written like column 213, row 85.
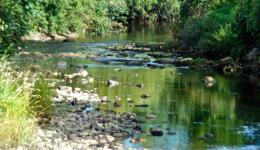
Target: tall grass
column 19, row 108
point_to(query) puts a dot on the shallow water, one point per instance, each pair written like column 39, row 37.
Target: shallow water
column 224, row 116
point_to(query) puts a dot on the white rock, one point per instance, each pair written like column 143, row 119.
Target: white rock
column 112, row 83
column 91, row 80
column 104, row 98
column 110, row 138
column 82, row 73
column 77, row 89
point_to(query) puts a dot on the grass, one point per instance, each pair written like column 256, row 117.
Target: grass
column 23, row 96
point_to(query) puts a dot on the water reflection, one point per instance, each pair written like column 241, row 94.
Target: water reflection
column 202, row 117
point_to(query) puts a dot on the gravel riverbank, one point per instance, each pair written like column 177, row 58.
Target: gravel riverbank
column 78, row 124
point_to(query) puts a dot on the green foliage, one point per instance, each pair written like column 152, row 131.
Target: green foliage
column 15, row 123
column 118, row 11
column 40, row 100
column 198, row 61
column 150, row 10
column 19, row 17
column 23, row 96
column 219, row 28
column 167, row 9
column 254, row 17
column 13, row 23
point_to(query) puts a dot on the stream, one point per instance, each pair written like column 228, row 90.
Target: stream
column 191, row 115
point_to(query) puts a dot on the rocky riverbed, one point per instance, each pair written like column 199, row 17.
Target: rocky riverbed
column 154, row 55
column 78, row 123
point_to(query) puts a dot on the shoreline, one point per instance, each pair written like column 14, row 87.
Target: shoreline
column 47, row 37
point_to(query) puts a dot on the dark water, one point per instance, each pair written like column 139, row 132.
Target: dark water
column 224, row 116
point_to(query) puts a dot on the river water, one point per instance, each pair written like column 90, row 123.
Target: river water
column 223, row 116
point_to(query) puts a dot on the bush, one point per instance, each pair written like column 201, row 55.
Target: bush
column 13, row 24
column 219, row 44
column 212, row 31
column 166, row 10
column 152, row 10
column 199, row 60
column 23, row 97
column 40, row 98
column 118, row 11
column 219, row 28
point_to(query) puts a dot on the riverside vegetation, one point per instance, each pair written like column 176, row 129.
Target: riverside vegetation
column 25, row 97
column 205, row 29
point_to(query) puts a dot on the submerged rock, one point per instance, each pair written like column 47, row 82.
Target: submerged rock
column 129, row 100
column 144, row 96
column 142, row 105
column 116, row 104
column 209, row 81
column 156, row 131
column 155, row 65
column 140, row 85
column 117, row 69
column 112, row 83
column 150, row 116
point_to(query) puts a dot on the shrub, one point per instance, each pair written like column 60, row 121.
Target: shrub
column 118, row 11
column 40, row 98
column 219, row 28
column 13, row 24
column 212, row 32
column 23, row 97
column 199, row 60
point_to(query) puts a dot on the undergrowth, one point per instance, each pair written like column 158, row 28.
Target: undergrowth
column 24, row 98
